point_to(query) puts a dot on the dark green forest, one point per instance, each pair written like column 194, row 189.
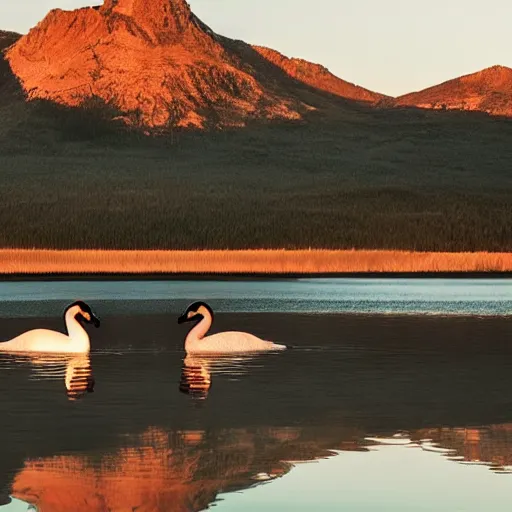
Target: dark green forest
column 351, row 178
column 423, row 186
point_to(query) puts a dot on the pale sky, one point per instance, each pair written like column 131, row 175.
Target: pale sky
column 389, row 46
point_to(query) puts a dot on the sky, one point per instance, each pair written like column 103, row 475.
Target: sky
column 388, row 46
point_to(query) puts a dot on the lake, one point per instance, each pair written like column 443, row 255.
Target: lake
column 396, row 394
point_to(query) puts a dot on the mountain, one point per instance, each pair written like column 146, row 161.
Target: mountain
column 348, row 175
column 318, row 76
column 161, row 66
column 489, row 90
column 7, row 81
column 155, row 64
column 7, row 38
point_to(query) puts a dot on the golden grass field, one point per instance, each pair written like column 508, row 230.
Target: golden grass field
column 13, row 261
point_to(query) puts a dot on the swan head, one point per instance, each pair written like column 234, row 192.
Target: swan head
column 196, row 312
column 82, row 313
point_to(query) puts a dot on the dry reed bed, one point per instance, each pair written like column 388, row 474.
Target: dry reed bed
column 13, row 261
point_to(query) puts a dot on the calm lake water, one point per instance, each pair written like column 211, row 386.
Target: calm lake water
column 395, row 396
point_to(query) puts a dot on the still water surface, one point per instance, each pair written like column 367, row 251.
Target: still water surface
column 396, row 395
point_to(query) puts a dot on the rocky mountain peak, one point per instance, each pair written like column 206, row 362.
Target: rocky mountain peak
column 162, row 20
column 157, row 64
column 488, row 90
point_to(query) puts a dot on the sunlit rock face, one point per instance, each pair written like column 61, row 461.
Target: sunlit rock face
column 489, row 90
column 153, row 60
column 318, row 76
column 159, row 66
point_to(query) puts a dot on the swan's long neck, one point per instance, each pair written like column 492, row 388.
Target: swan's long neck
column 199, row 331
column 77, row 334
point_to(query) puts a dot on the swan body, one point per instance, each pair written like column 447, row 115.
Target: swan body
column 229, row 341
column 76, row 341
column 197, row 342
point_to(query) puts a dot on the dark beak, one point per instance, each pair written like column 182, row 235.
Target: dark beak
column 95, row 321
column 184, row 318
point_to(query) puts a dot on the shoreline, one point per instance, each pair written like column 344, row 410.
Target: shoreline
column 250, row 277
column 33, row 264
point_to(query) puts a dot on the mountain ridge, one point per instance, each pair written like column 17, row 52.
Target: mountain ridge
column 168, row 72
column 318, row 76
column 159, row 66
column 488, row 90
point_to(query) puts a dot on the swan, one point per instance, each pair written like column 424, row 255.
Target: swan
column 76, row 341
column 224, row 342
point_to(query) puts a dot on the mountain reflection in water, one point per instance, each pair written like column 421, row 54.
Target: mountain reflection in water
column 176, row 471
column 490, row 445
column 186, row 470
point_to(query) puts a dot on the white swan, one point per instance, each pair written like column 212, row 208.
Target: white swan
column 223, row 342
column 76, row 341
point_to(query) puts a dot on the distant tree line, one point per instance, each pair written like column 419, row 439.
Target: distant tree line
column 372, row 179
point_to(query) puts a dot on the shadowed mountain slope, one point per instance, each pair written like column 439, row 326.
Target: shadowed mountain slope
column 6, row 76
column 7, row 38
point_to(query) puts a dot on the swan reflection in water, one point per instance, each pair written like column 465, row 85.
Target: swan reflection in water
column 196, row 378
column 79, row 379
column 74, row 370
column 197, row 372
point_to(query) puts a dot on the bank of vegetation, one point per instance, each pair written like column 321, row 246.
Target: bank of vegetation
column 247, row 262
